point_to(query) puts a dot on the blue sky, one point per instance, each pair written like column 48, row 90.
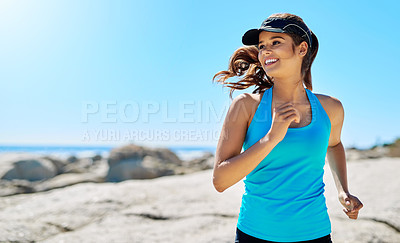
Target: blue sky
column 112, row 72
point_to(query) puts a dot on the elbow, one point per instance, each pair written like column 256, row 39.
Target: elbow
column 335, row 144
column 219, row 188
column 218, row 185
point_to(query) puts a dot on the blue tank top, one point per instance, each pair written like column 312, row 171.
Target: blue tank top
column 284, row 195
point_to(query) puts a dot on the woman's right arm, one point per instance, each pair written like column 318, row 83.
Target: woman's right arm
column 230, row 165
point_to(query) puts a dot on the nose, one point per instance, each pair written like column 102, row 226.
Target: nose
column 266, row 50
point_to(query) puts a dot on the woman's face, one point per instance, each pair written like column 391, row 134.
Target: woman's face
column 277, row 56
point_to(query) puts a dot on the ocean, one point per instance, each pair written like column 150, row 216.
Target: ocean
column 183, row 152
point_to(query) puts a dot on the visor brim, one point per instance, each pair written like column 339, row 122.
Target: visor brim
column 251, row 36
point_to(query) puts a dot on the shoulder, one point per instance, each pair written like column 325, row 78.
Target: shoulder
column 245, row 105
column 247, row 100
column 332, row 106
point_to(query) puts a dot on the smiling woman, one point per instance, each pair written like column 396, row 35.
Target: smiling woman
column 285, row 131
column 245, row 63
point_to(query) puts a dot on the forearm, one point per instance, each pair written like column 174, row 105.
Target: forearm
column 337, row 162
column 231, row 171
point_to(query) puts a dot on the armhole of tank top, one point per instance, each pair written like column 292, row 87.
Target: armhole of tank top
column 245, row 145
column 323, row 111
column 257, row 110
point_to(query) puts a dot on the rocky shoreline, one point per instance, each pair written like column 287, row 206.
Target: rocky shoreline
column 83, row 203
column 30, row 173
column 186, row 208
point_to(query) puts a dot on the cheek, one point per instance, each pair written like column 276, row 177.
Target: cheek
column 259, row 57
column 285, row 52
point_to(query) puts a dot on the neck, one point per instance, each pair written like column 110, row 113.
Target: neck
column 289, row 91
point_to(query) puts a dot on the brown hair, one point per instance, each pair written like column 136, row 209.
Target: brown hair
column 244, row 63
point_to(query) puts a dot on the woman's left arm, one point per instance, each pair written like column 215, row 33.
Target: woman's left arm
column 337, row 159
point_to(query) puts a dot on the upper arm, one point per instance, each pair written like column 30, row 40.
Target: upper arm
column 234, row 128
column 335, row 111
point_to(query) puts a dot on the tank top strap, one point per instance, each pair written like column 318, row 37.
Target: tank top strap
column 314, row 105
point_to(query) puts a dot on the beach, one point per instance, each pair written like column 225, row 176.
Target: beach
column 187, row 208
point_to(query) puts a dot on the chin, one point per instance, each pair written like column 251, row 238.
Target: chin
column 272, row 74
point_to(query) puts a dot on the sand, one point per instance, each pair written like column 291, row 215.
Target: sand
column 188, row 209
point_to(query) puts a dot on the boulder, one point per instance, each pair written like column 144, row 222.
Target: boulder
column 79, row 166
column 204, row 162
column 72, row 159
column 132, row 151
column 58, row 163
column 29, row 169
column 97, row 157
column 137, row 162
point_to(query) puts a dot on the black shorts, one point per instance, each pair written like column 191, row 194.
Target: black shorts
column 245, row 238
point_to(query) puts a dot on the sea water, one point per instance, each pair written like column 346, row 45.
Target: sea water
column 183, row 152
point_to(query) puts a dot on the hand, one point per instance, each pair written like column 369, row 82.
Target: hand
column 351, row 203
column 282, row 117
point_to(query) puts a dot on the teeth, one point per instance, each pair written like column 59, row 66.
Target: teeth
column 270, row 60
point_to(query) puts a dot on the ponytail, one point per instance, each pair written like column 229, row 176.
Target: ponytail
column 308, row 61
column 244, row 64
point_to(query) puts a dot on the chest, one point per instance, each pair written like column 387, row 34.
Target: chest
column 305, row 112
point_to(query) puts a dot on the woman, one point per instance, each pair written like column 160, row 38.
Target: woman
column 286, row 132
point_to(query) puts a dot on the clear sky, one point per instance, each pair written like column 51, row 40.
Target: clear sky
column 112, row 72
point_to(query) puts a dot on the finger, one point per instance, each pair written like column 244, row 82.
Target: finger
column 284, row 109
column 292, row 117
column 285, row 117
column 298, row 115
column 352, row 215
column 287, row 113
column 348, row 205
column 350, row 211
column 357, row 207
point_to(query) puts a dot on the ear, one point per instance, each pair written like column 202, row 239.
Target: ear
column 303, row 48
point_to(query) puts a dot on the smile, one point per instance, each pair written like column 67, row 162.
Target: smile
column 270, row 61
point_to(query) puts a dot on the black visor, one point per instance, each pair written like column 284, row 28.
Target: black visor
column 278, row 25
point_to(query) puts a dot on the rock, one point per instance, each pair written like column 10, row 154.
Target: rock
column 375, row 152
column 72, row 159
column 132, row 151
column 79, row 166
column 58, row 164
column 137, row 162
column 138, row 168
column 139, row 210
column 97, row 157
column 30, row 169
column 15, row 187
column 204, row 162
column 16, row 179
column 65, row 180
column 394, row 149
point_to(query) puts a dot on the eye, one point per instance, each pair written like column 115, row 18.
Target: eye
column 275, row 43
column 261, row 47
